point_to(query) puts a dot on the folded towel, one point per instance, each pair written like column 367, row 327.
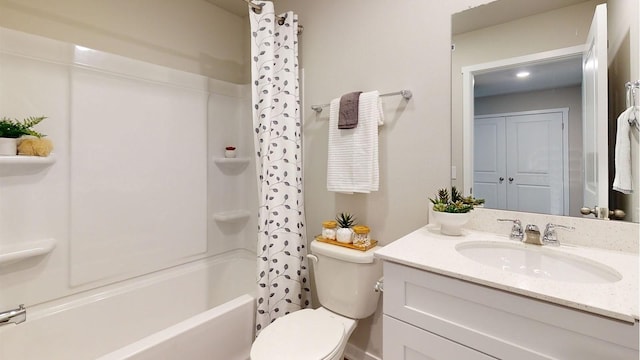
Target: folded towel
column 622, row 181
column 348, row 118
column 352, row 164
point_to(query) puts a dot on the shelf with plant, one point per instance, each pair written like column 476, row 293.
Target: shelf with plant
column 18, row 138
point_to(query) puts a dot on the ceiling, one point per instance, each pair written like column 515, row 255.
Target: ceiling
column 548, row 75
column 502, row 11
column 236, row 7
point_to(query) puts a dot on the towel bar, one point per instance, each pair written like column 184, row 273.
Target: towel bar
column 406, row 94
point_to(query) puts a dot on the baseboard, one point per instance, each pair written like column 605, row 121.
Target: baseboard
column 352, row 352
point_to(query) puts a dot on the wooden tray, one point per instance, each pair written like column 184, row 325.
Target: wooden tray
column 350, row 246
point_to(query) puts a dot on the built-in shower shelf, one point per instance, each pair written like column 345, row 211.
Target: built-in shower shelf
column 231, row 215
column 240, row 161
column 26, row 161
column 18, row 252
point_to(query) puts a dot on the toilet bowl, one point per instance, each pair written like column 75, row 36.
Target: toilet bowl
column 306, row 334
column 345, row 280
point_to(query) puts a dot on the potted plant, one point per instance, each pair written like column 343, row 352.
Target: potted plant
column 452, row 212
column 344, row 233
column 11, row 130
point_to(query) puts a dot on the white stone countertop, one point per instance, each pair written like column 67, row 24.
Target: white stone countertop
column 427, row 249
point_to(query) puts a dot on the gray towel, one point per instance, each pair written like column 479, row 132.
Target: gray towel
column 348, row 115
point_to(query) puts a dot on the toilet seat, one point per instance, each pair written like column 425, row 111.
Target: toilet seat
column 307, row 334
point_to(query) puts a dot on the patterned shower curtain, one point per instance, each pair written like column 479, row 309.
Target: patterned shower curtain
column 283, row 277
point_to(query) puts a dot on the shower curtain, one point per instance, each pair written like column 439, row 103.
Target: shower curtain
column 283, row 277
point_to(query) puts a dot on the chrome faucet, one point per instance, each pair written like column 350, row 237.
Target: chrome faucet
column 15, row 316
column 516, row 229
column 532, row 235
column 550, row 237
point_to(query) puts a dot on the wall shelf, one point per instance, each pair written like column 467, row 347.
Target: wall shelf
column 232, row 161
column 18, row 252
column 27, row 160
column 24, row 165
column 231, row 215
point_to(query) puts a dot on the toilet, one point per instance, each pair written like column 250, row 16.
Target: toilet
column 345, row 280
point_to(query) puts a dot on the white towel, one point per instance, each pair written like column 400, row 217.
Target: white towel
column 352, row 165
column 622, row 181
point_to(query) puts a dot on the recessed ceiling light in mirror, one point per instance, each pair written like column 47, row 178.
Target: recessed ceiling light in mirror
column 523, row 74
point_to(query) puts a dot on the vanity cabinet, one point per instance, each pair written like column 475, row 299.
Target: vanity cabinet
column 434, row 316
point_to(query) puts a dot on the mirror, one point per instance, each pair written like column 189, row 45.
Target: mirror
column 496, row 41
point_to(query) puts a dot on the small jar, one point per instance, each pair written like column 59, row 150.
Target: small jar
column 329, row 229
column 361, row 236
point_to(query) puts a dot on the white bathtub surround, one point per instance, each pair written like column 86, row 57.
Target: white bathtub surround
column 199, row 337
column 97, row 322
column 283, row 275
column 130, row 224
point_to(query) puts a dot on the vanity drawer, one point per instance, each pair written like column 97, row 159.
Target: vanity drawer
column 502, row 324
column 402, row 341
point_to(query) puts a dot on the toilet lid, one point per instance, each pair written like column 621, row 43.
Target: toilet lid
column 305, row 334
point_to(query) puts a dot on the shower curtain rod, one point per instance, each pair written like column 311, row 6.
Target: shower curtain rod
column 406, row 94
column 258, row 9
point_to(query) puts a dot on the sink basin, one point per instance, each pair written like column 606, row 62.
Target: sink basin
column 538, row 261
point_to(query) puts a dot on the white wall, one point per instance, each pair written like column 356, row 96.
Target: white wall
column 189, row 35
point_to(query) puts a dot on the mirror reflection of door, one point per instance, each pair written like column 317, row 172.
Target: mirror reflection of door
column 520, row 161
column 491, row 36
column 595, row 128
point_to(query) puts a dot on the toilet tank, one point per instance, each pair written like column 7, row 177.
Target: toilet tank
column 345, row 279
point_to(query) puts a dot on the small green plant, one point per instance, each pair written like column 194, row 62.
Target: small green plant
column 12, row 128
column 454, row 203
column 345, row 220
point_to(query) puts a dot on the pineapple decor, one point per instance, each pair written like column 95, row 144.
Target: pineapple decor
column 345, row 221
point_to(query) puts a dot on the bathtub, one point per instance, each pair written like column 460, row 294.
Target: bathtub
column 200, row 310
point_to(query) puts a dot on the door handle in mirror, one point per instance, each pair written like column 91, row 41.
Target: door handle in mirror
column 501, row 179
column 510, row 180
column 603, row 213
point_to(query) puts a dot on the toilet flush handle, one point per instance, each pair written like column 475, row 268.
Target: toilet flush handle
column 312, row 257
column 379, row 287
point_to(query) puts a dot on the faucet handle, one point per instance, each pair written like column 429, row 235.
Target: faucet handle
column 516, row 229
column 550, row 236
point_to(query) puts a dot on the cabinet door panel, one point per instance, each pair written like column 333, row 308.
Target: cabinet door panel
column 407, row 342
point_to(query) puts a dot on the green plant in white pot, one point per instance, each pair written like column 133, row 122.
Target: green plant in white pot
column 453, row 211
column 11, row 130
column 344, row 234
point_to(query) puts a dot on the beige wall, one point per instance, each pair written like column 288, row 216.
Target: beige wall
column 624, row 66
column 566, row 97
column 384, row 45
column 552, row 30
column 190, row 35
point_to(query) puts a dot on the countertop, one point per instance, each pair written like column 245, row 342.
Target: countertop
column 427, row 249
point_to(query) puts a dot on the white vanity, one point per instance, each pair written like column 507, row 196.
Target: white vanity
column 485, row 296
